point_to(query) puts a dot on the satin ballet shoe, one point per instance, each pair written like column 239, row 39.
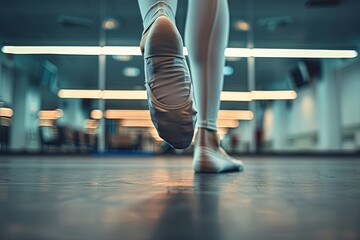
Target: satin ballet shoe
column 167, row 80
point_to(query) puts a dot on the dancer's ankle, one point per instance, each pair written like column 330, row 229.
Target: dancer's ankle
column 207, row 138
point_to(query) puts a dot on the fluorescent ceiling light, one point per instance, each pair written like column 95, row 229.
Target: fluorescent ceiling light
column 222, row 123
column 125, row 94
column 50, row 114
column 135, row 123
column 135, row 51
column 103, row 94
column 73, row 50
column 236, row 114
column 6, row 112
column 78, row 93
column 127, row 114
column 96, row 114
column 145, row 114
column 257, row 95
column 141, row 95
column 273, row 95
column 235, row 96
column 289, row 53
column 121, row 50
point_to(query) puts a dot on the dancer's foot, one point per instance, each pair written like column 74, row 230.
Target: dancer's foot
column 209, row 157
column 167, row 80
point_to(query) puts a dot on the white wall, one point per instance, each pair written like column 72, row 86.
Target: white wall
column 314, row 119
column 284, row 123
column 350, row 95
column 302, row 116
column 73, row 114
column 19, row 87
column 350, row 106
column 26, row 104
column 6, row 82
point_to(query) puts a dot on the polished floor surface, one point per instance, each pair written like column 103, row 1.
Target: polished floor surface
column 161, row 198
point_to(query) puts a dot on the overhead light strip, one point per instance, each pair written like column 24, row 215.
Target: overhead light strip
column 135, row 51
column 6, row 112
column 125, row 94
column 142, row 95
column 222, row 123
column 79, row 93
column 289, row 53
column 273, row 95
column 145, row 114
column 73, row 50
column 50, row 114
column 235, row 96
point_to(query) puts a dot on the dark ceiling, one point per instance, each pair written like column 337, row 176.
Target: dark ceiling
column 275, row 24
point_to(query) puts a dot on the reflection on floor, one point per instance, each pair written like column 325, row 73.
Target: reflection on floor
column 161, row 198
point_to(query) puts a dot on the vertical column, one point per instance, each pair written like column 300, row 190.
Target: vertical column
column 252, row 104
column 251, row 75
column 18, row 130
column 101, row 81
column 328, row 106
column 2, row 80
column 101, row 126
column 26, row 104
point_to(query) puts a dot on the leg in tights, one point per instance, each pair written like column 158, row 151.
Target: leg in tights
column 145, row 5
column 206, row 37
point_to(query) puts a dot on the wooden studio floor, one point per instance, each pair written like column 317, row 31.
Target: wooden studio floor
column 66, row 197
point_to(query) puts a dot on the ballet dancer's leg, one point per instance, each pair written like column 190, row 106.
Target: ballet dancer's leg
column 206, row 37
column 167, row 77
column 145, row 5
